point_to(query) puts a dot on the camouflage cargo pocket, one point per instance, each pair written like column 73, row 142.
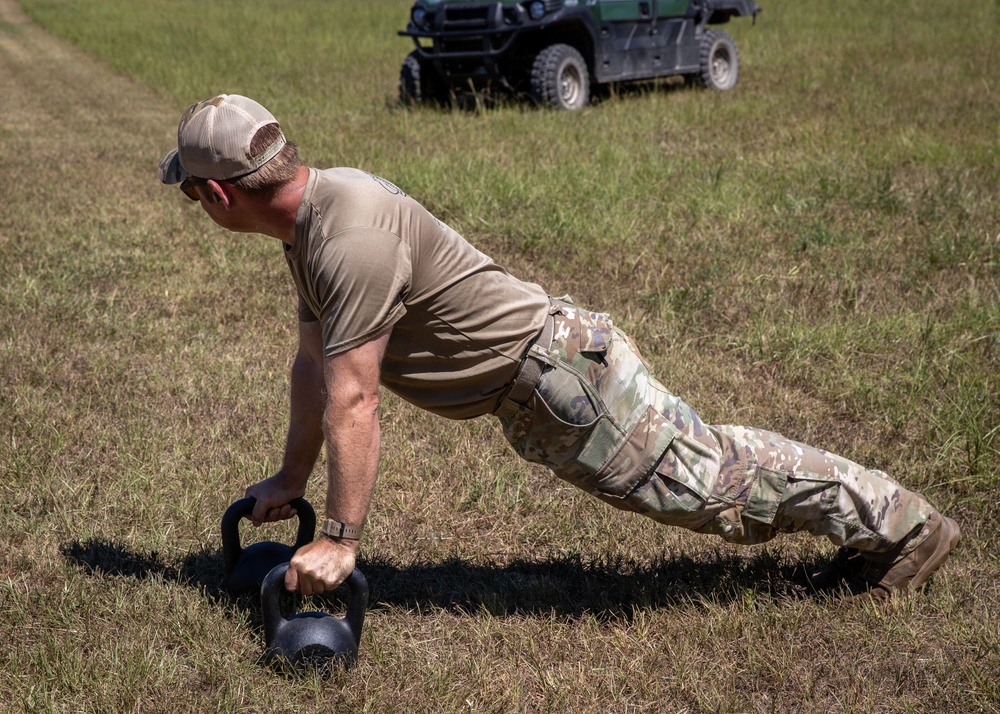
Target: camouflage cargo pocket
column 567, row 428
column 689, row 476
column 590, row 418
column 765, row 495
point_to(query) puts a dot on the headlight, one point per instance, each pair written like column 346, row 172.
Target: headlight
column 419, row 16
column 536, row 9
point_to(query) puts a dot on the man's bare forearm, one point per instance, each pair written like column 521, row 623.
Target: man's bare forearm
column 307, row 396
column 305, row 429
column 353, row 441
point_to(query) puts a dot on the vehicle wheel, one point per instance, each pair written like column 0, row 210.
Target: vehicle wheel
column 417, row 83
column 720, row 62
column 559, row 78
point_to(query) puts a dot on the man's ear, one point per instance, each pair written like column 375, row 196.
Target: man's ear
column 216, row 193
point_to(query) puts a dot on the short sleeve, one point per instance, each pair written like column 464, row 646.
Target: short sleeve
column 361, row 277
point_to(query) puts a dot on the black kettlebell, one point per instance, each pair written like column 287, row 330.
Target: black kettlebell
column 247, row 567
column 312, row 640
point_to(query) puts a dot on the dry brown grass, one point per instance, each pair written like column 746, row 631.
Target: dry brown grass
column 816, row 253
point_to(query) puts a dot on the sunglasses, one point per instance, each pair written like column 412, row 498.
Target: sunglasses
column 189, row 185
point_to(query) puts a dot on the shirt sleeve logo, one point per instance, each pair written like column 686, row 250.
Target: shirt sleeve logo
column 387, row 185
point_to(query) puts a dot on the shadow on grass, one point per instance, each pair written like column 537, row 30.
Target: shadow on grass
column 203, row 568
column 566, row 586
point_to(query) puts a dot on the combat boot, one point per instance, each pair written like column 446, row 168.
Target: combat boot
column 880, row 580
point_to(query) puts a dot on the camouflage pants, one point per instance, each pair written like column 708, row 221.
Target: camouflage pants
column 601, row 421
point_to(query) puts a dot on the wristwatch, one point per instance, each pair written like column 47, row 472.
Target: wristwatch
column 339, row 529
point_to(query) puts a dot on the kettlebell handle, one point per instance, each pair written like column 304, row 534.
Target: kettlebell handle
column 243, row 508
column 270, row 592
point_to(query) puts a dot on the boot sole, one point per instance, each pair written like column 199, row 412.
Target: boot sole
column 950, row 536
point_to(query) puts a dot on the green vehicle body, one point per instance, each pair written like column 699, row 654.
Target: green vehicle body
column 462, row 43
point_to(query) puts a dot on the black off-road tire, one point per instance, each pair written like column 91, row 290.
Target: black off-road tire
column 559, row 78
column 417, row 82
column 720, row 61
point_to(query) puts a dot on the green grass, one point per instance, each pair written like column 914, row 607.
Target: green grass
column 814, row 253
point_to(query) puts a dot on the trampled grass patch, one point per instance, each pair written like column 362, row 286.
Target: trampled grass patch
column 815, row 253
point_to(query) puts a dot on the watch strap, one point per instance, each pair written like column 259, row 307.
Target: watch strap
column 339, row 529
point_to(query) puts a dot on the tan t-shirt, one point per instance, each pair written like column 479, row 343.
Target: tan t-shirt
column 367, row 256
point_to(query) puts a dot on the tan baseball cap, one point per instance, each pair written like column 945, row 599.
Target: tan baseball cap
column 213, row 140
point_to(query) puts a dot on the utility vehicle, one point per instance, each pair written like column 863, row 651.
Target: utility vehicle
column 558, row 50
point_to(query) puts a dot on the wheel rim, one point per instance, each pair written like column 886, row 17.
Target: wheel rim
column 721, row 66
column 570, row 85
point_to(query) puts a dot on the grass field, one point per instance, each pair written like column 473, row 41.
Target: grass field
column 815, row 253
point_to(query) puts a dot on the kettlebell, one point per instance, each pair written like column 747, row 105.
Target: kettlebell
column 247, row 567
column 312, row 640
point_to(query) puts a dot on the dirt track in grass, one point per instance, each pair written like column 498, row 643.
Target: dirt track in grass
column 65, row 116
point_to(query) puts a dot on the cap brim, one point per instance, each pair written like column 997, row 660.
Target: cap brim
column 171, row 170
